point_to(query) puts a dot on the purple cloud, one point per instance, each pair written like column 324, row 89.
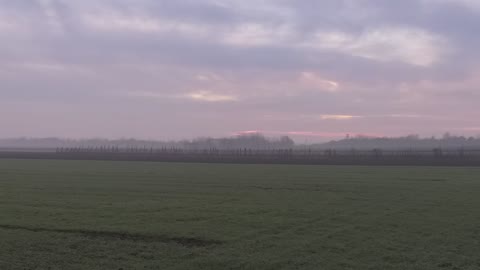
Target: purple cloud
column 179, row 69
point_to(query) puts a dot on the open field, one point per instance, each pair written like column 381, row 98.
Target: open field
column 140, row 215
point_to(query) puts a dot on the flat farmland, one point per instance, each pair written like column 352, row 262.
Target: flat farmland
column 141, row 215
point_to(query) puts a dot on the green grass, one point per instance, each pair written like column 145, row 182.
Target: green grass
column 133, row 215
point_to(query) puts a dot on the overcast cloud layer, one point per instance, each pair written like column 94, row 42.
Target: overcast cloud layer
column 163, row 69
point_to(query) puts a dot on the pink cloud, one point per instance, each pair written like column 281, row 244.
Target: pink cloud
column 308, row 134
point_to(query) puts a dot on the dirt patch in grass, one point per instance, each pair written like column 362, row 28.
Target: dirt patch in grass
column 184, row 241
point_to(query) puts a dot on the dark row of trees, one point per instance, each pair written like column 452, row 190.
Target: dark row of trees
column 447, row 141
column 432, row 157
column 291, row 152
column 254, row 141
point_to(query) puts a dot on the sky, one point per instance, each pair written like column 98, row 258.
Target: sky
column 173, row 69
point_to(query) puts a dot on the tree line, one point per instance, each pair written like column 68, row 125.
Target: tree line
column 254, row 141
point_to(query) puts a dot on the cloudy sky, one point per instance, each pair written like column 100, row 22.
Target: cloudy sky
column 312, row 69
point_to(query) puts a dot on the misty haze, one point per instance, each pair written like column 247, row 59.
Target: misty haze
column 239, row 134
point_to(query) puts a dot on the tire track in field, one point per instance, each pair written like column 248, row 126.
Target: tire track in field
column 190, row 242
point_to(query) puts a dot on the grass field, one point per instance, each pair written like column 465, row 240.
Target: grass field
column 134, row 215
